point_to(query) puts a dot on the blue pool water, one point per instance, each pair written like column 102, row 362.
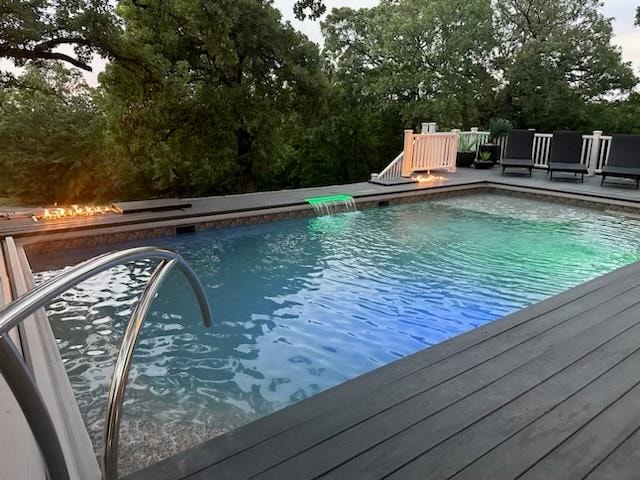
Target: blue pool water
column 300, row 306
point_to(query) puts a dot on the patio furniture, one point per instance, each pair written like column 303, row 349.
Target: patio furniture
column 624, row 159
column 566, row 154
column 519, row 152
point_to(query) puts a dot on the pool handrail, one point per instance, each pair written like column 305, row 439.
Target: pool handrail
column 21, row 381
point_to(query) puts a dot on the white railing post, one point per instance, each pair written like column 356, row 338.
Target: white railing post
column 453, row 151
column 425, row 127
column 407, row 160
column 595, row 153
column 474, row 134
column 433, row 127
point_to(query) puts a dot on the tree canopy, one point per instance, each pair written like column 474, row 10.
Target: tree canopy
column 312, row 9
column 221, row 96
column 428, row 59
column 556, row 58
column 36, row 29
column 219, row 87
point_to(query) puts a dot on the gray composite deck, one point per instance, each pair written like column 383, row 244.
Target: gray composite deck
column 549, row 392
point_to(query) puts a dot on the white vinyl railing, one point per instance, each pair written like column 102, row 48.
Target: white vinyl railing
column 595, row 150
column 426, row 152
column 393, row 170
column 429, row 155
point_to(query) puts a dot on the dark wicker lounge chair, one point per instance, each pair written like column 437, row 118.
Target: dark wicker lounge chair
column 624, row 159
column 519, row 152
column 566, row 154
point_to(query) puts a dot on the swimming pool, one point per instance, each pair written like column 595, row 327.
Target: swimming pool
column 302, row 305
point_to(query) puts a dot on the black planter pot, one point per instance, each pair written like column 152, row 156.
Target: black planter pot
column 483, row 164
column 493, row 149
column 465, row 159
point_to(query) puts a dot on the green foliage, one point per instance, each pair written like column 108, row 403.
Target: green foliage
column 499, row 128
column 215, row 104
column 36, row 29
column 467, row 143
column 50, row 130
column 485, row 156
column 556, row 58
column 312, row 9
column 427, row 60
column 619, row 116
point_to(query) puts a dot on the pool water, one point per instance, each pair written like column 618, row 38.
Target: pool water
column 300, row 306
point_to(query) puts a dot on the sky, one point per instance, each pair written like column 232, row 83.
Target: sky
column 622, row 11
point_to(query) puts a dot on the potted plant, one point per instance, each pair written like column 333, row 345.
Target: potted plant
column 466, row 151
column 498, row 128
column 485, row 160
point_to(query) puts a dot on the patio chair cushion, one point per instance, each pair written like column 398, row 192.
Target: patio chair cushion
column 566, row 147
column 519, row 145
column 615, row 171
column 568, row 167
column 625, row 151
column 517, row 162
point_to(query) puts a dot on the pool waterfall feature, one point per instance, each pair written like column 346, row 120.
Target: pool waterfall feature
column 331, row 204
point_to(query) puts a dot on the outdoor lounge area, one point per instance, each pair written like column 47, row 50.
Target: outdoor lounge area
column 518, row 151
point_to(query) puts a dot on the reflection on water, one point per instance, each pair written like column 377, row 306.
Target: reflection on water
column 303, row 305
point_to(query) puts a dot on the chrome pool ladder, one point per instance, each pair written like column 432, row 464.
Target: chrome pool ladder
column 21, row 381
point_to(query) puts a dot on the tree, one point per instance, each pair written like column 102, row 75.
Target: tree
column 73, row 31
column 50, row 131
column 555, row 58
column 70, row 31
column 312, row 9
column 431, row 60
column 219, row 87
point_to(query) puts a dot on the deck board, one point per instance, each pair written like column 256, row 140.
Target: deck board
column 623, row 462
column 599, row 437
column 532, row 444
column 534, row 388
column 574, row 395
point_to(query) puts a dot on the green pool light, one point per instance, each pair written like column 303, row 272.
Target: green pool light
column 329, row 198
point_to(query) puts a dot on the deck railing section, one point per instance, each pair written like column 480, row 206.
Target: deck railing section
column 432, row 150
column 425, row 152
column 394, row 169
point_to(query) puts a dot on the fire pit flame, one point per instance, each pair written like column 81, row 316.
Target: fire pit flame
column 428, row 178
column 57, row 213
